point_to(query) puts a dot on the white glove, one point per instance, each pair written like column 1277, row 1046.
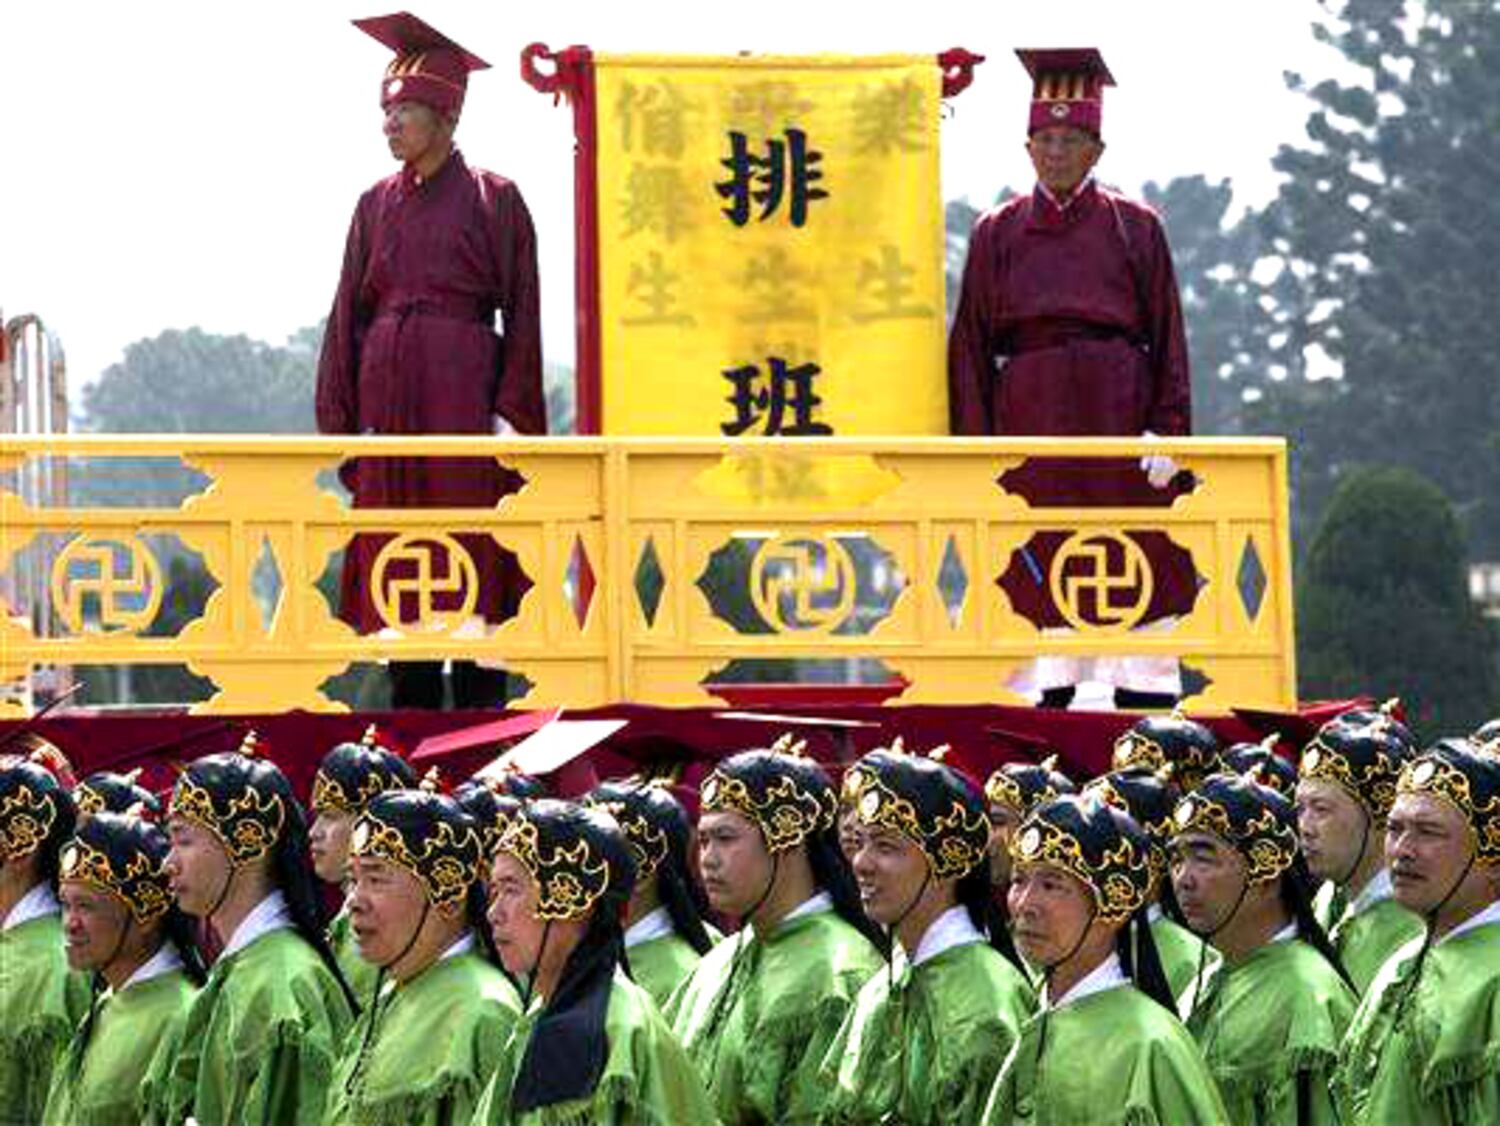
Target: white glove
column 1159, row 468
column 503, row 428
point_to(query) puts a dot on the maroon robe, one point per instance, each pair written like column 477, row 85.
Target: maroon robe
column 1069, row 323
column 411, row 348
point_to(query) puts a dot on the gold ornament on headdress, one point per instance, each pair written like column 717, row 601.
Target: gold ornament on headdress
column 248, row 827
column 91, row 801
column 329, row 794
column 1372, row 784
column 1268, row 846
column 142, row 886
column 1121, row 880
column 1429, row 774
column 1001, row 788
column 785, row 813
column 790, row 744
column 26, row 817
column 569, row 880
column 953, row 842
column 446, row 866
column 648, row 842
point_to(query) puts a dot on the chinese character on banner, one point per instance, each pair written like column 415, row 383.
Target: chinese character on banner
column 770, row 245
column 781, row 400
column 787, row 168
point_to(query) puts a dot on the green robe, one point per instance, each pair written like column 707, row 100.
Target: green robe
column 1440, row 1063
column 260, row 1040
column 1181, row 952
column 359, row 973
column 439, row 1038
column 648, row 1079
column 103, row 1082
column 784, row 1007
column 1367, row 939
column 1113, row 1058
column 41, row 1003
column 1270, row 1028
column 926, row 1049
column 660, row 965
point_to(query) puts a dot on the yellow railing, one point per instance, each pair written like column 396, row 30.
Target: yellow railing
column 821, row 548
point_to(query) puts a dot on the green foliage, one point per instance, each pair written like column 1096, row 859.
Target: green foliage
column 195, row 382
column 1388, row 227
column 1383, row 605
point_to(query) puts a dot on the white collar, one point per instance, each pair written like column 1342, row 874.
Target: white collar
column 1378, row 888
column 1490, row 914
column 268, row 915
column 460, row 945
column 164, row 961
column 1106, row 975
column 1154, row 914
column 820, row 901
column 952, row 928
column 654, row 924
column 1064, row 204
column 1286, row 932
column 34, row 904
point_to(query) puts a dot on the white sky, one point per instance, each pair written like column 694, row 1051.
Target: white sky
column 179, row 164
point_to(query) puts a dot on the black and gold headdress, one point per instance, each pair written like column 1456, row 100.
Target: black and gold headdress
column 930, row 804
column 492, row 809
column 1095, row 842
column 1191, row 749
column 1149, row 796
column 1469, row 781
column 854, row 775
column 1262, row 761
column 239, row 797
column 353, row 774
column 108, row 792
column 787, row 796
column 124, row 856
column 578, row 856
column 1250, row 816
column 427, row 834
column 1024, row 785
column 653, row 821
column 36, row 812
column 1363, row 753
column 1487, row 739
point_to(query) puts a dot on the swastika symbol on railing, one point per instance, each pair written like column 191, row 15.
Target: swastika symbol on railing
column 803, row 585
column 430, row 564
column 1101, row 581
column 126, row 600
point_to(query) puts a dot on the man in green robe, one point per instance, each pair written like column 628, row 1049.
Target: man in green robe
column 350, row 776
column 924, row 1040
column 1347, row 782
column 120, row 925
column 1271, row 1015
column 761, row 1010
column 1425, row 1040
column 41, row 1001
column 1106, row 1047
column 1149, row 796
column 592, row 1048
column 422, row 1052
column 666, row 932
column 262, row 1035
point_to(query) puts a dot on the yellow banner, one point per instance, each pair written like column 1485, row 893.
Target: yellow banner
column 771, row 245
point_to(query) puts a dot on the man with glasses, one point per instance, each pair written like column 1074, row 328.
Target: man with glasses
column 1069, row 323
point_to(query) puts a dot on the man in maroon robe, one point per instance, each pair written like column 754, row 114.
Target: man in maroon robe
column 413, row 345
column 1069, row 323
